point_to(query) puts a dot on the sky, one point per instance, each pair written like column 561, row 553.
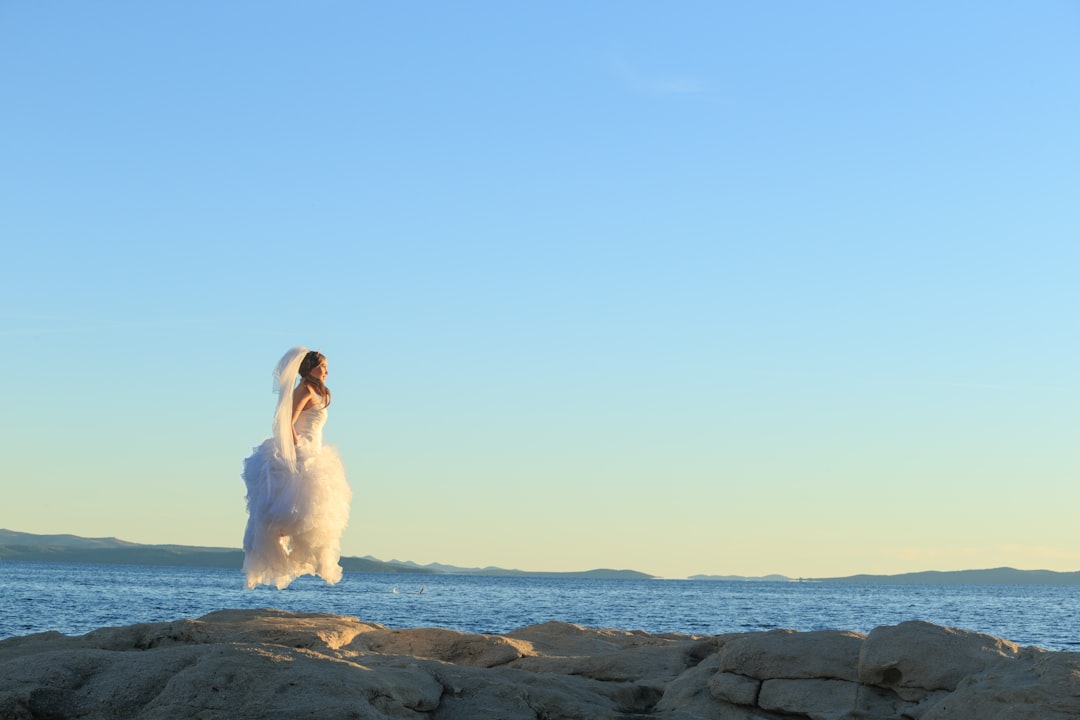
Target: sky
column 686, row 288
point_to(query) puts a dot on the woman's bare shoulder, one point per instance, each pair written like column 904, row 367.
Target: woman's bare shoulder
column 302, row 395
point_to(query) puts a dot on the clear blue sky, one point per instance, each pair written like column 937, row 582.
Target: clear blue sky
column 689, row 287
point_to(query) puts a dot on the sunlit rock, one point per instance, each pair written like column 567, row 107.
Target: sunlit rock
column 922, row 655
column 790, row 654
column 256, row 664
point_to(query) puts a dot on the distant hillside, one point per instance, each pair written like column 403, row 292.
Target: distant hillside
column 995, row 576
column 598, row 574
column 72, row 548
column 741, row 578
column 10, row 537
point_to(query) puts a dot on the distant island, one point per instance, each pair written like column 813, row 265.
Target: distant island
column 993, row 576
column 29, row 547
column 743, row 578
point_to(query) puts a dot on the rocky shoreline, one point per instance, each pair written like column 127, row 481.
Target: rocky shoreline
column 240, row 664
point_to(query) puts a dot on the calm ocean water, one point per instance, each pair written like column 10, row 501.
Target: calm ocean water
column 77, row 598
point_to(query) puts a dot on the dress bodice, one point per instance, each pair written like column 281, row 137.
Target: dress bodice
column 309, row 426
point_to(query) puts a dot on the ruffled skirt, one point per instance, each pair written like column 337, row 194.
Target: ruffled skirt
column 295, row 519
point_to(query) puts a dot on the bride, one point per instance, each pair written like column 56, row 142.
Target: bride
column 297, row 495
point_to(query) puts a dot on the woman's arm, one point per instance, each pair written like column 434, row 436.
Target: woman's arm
column 302, row 398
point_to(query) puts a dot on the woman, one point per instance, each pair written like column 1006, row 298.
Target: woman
column 297, row 495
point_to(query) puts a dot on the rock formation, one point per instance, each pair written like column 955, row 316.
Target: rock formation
column 240, row 664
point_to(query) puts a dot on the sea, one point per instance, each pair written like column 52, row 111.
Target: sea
column 76, row 598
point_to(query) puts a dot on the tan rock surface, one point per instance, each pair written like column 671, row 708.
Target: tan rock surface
column 734, row 688
column 919, row 654
column 793, row 655
column 247, row 664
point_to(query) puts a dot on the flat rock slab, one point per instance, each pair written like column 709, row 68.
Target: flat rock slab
column 265, row 664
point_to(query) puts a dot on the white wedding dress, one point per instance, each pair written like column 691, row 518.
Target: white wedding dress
column 296, row 512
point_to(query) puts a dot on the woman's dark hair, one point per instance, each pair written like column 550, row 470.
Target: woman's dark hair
column 309, row 363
